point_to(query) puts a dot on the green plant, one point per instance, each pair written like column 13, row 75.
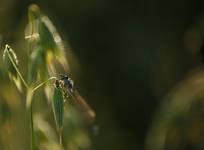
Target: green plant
column 45, row 50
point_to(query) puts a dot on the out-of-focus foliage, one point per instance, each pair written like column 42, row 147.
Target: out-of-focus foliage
column 45, row 44
column 75, row 133
column 179, row 123
column 45, row 49
column 131, row 54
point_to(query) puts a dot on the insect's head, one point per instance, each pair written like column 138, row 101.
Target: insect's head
column 67, row 82
column 63, row 77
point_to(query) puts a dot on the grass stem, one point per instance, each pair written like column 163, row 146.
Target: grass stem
column 41, row 84
column 31, row 128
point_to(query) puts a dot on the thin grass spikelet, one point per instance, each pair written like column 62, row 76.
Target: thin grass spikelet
column 10, row 61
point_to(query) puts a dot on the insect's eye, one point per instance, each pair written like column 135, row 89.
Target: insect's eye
column 62, row 76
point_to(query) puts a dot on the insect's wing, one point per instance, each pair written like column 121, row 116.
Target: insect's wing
column 88, row 112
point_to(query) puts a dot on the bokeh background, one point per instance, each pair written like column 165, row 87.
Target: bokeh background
column 138, row 63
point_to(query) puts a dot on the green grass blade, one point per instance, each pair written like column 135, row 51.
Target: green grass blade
column 58, row 109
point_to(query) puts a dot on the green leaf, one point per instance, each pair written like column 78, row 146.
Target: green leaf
column 58, row 107
column 10, row 61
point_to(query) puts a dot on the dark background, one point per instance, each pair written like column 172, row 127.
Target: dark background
column 131, row 53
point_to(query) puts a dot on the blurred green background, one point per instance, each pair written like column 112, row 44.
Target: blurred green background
column 126, row 56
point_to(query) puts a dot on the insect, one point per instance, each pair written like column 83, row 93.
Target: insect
column 67, row 82
column 67, row 85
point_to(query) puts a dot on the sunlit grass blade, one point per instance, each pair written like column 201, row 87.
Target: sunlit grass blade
column 51, row 41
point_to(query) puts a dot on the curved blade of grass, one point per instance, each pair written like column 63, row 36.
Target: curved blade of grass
column 51, row 41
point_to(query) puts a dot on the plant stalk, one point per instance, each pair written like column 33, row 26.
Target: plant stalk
column 32, row 136
column 41, row 84
column 60, row 136
column 31, row 128
column 31, row 111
